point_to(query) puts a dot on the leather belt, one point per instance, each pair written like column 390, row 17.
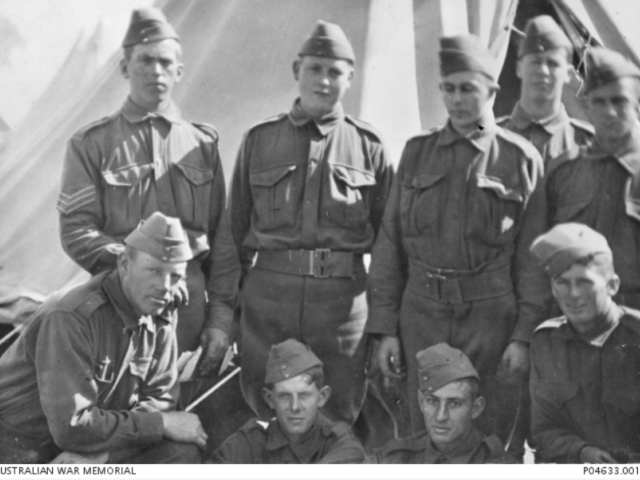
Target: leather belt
column 318, row 263
column 457, row 290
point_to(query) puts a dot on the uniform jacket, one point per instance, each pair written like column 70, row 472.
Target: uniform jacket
column 590, row 186
column 552, row 136
column 457, row 207
column 586, row 392
column 326, row 442
column 419, row 449
column 122, row 168
column 304, row 184
column 57, row 379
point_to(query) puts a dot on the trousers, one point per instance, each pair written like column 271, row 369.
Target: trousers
column 328, row 314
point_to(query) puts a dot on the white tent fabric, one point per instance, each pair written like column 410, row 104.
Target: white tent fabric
column 238, row 56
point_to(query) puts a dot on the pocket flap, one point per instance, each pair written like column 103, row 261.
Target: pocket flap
column 195, row 175
column 353, row 177
column 127, row 176
column 425, row 180
column 503, row 191
column 569, row 211
column 270, row 176
column 557, row 392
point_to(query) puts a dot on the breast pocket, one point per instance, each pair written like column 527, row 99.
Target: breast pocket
column 275, row 196
column 574, row 211
column 123, row 202
column 420, row 202
column 192, row 194
column 495, row 212
column 558, row 393
column 625, row 398
column 348, row 202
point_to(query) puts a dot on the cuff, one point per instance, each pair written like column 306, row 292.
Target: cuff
column 150, row 426
column 220, row 317
column 524, row 330
column 382, row 323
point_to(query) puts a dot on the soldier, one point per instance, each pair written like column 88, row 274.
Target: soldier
column 598, row 185
column 447, row 263
column 300, row 433
column 584, row 365
column 450, row 399
column 91, row 376
column 544, row 66
column 147, row 158
column 307, row 196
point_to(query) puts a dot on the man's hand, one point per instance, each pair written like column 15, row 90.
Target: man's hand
column 595, row 455
column 214, row 344
column 389, row 357
column 184, row 427
column 181, row 294
column 514, row 364
column 71, row 457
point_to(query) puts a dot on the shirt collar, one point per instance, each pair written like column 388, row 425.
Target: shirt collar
column 551, row 124
column 459, row 454
column 134, row 113
column 325, row 125
column 308, row 445
column 629, row 159
column 113, row 288
column 481, row 138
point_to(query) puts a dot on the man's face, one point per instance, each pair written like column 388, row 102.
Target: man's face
column 148, row 283
column 449, row 411
column 614, row 109
column 466, row 96
column 322, row 83
column 296, row 402
column 544, row 74
column 583, row 293
column 153, row 70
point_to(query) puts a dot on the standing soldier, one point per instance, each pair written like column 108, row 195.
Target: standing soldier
column 544, row 66
column 599, row 185
column 147, row 158
column 446, row 265
column 308, row 194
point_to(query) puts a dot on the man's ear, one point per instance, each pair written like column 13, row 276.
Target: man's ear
column 613, row 284
column 477, row 408
column 519, row 69
column 296, row 69
column 268, row 397
column 124, row 68
column 179, row 72
column 325, row 393
column 123, row 262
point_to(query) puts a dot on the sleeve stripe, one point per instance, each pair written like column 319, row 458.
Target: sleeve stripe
column 69, row 203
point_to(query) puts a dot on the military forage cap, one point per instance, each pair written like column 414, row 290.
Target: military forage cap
column 541, row 34
column 605, row 66
column 464, row 53
column 148, row 25
column 161, row 237
column 288, row 359
column 440, row 365
column 565, row 244
column 328, row 40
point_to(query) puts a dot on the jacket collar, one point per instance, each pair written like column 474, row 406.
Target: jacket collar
column 629, row 158
column 308, row 445
column 597, row 338
column 325, row 125
column 480, row 138
column 459, row 454
column 551, row 124
column 134, row 113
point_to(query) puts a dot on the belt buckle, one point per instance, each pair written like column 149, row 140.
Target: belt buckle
column 317, row 259
column 451, row 290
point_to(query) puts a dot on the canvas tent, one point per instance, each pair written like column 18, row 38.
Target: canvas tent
column 238, row 56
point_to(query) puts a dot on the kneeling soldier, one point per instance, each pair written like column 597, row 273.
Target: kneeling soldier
column 295, row 390
column 92, row 375
column 450, row 400
column 585, row 374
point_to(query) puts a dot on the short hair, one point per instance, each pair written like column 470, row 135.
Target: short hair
column 474, row 387
column 127, row 52
column 131, row 252
column 316, row 376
